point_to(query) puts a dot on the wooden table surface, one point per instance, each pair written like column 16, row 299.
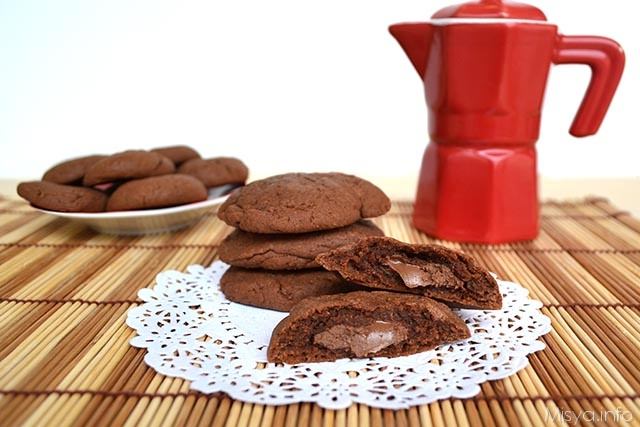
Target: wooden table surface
column 65, row 357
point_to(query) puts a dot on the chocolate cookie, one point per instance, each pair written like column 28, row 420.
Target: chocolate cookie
column 303, row 202
column 279, row 290
column 127, row 165
column 70, row 171
column 215, row 172
column 62, row 198
column 289, row 251
column 178, row 154
column 157, row 192
column 363, row 324
column 435, row 271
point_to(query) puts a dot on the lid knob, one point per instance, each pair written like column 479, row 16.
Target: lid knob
column 491, row 9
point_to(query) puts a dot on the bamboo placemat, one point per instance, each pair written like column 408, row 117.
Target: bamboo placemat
column 65, row 357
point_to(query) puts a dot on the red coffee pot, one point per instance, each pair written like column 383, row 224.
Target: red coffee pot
column 484, row 65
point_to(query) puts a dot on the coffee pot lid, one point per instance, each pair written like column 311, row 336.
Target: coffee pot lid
column 491, row 9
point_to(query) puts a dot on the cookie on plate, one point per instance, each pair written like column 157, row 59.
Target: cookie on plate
column 303, row 202
column 216, row 171
column 289, row 251
column 363, row 324
column 62, row 198
column 178, row 154
column 127, row 165
column 70, row 171
column 279, row 290
column 432, row 270
column 157, row 192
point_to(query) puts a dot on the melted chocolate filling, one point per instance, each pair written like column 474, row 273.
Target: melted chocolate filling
column 417, row 276
column 362, row 340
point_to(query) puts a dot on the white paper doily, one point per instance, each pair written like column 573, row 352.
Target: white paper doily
column 191, row 331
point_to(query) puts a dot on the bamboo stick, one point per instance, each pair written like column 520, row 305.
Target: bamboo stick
column 245, row 414
column 209, row 412
column 292, row 415
column 363, row 416
column 269, row 413
column 256, row 415
column 234, row 414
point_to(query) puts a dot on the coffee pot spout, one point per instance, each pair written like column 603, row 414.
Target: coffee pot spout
column 415, row 40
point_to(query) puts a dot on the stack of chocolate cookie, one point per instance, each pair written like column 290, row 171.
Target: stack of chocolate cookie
column 282, row 224
column 132, row 180
column 376, row 296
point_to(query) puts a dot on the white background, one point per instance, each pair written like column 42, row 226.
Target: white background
column 284, row 85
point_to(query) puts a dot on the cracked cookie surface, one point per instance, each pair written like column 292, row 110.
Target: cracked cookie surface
column 303, row 202
column 178, row 154
column 157, row 192
column 62, row 198
column 127, row 165
column 289, row 251
column 280, row 290
column 216, row 171
column 71, row 171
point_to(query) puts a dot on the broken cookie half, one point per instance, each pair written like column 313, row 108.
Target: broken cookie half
column 432, row 270
column 363, row 324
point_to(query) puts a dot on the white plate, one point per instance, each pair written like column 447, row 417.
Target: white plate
column 149, row 221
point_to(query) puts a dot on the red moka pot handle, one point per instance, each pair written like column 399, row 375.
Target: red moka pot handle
column 606, row 59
